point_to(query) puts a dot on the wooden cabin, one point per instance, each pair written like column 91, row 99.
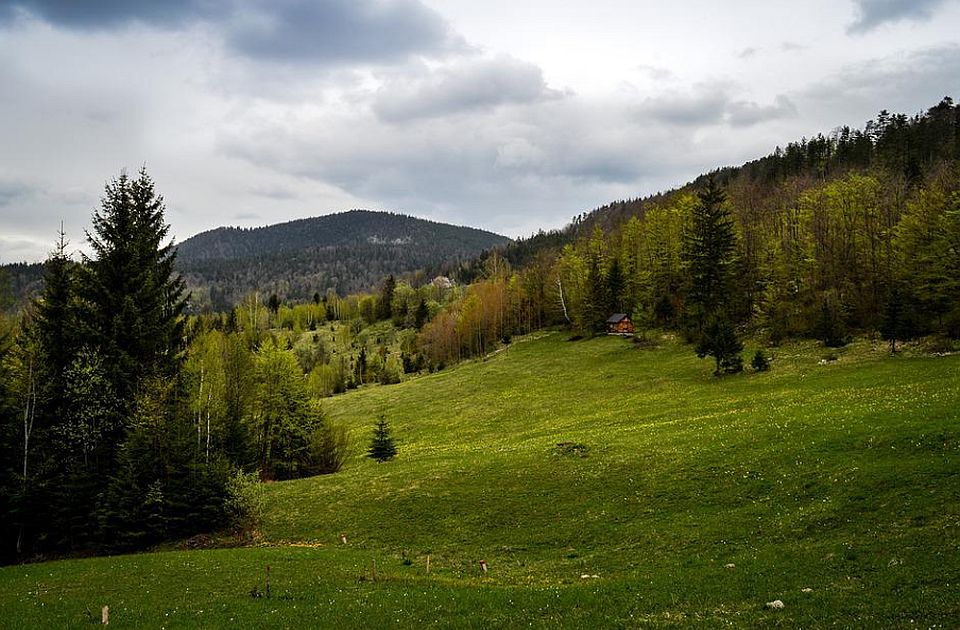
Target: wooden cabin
column 620, row 324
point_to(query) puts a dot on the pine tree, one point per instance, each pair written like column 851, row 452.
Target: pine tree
column 708, row 251
column 382, row 447
column 385, row 304
column 135, row 298
column 273, row 303
column 55, row 322
column 615, row 286
column 897, row 322
column 421, row 315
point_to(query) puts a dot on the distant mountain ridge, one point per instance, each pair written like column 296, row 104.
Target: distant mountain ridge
column 344, row 252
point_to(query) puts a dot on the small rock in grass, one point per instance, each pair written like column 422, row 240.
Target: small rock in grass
column 730, row 566
column 587, row 576
column 774, row 605
column 806, row 590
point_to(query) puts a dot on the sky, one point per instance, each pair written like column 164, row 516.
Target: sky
column 506, row 115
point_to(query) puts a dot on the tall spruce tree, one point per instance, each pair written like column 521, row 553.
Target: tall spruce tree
column 55, row 324
column 708, row 251
column 616, row 284
column 385, row 303
column 135, row 298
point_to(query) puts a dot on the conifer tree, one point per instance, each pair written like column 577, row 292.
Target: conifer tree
column 897, row 323
column 55, row 322
column 421, row 315
column 385, row 304
column 708, row 251
column 134, row 296
column 382, row 447
column 615, row 286
column 719, row 340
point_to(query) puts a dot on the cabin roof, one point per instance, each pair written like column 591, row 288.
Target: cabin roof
column 616, row 318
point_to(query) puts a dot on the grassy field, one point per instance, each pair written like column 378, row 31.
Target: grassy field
column 604, row 485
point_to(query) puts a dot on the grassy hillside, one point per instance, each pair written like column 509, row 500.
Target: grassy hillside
column 683, row 499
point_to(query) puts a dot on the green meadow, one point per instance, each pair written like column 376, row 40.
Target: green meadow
column 603, row 483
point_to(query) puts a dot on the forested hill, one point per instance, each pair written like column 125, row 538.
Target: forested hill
column 345, row 252
column 903, row 151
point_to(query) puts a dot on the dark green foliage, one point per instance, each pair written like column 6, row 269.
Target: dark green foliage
column 382, row 447
column 421, row 315
column 719, row 340
column 829, row 327
column 273, row 303
column 19, row 283
column 385, row 303
column 111, row 460
column 56, row 320
column 898, row 320
column 238, row 366
column 162, row 487
column 708, row 251
column 597, row 308
column 664, row 311
column 133, row 295
column 615, row 288
column 760, row 361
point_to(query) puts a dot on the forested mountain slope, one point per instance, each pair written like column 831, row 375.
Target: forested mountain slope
column 857, row 232
column 344, row 252
column 905, row 152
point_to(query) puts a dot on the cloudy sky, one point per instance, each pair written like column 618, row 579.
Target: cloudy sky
column 509, row 115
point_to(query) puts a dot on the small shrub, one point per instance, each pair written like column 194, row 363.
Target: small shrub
column 245, row 500
column 389, row 375
column 760, row 362
column 329, row 448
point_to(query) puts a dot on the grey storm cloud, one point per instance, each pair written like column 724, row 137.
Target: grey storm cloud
column 12, row 191
column 711, row 105
column 328, row 31
column 704, row 106
column 99, row 14
column 305, row 30
column 873, row 13
column 895, row 83
column 745, row 113
column 471, row 85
